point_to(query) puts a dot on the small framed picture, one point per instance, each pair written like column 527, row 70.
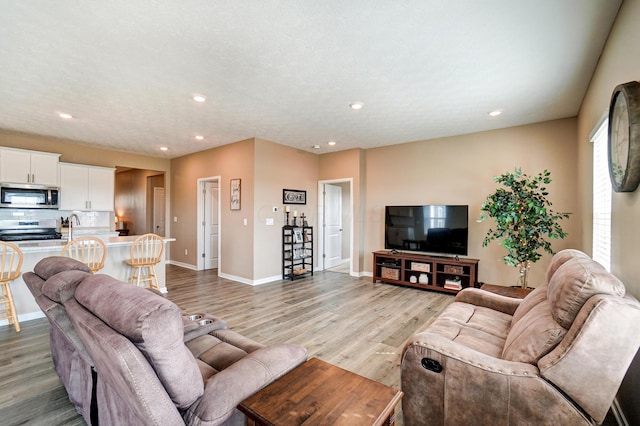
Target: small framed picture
column 235, row 194
column 294, row 196
column 297, row 236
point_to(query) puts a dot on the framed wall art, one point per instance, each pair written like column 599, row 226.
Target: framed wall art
column 294, row 196
column 235, row 194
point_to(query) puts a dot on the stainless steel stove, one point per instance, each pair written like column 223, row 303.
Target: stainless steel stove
column 28, row 230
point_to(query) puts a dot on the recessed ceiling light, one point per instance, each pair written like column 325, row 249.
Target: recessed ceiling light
column 356, row 105
column 65, row 115
column 495, row 113
column 164, row 148
column 199, row 98
column 316, row 147
column 332, row 143
column 199, row 137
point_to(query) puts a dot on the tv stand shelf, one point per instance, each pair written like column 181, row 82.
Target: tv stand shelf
column 424, row 271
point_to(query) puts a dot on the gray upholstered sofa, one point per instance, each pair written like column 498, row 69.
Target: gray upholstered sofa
column 127, row 355
column 556, row 357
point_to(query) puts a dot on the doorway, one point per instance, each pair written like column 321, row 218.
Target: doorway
column 140, row 201
column 335, row 222
column 208, row 223
column 158, row 211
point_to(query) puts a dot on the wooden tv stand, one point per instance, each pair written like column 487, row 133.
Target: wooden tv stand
column 400, row 267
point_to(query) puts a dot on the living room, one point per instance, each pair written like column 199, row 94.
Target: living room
column 450, row 170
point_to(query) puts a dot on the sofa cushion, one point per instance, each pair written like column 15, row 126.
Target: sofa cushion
column 478, row 317
column 536, row 296
column 153, row 324
column 574, row 283
column 533, row 335
column 560, row 258
column 62, row 286
column 49, row 266
column 470, row 325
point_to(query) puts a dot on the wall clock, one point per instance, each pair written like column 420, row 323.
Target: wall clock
column 624, row 137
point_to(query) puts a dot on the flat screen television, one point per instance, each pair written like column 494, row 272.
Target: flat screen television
column 437, row 229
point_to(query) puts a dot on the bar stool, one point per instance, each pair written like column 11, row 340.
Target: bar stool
column 10, row 264
column 146, row 252
column 89, row 250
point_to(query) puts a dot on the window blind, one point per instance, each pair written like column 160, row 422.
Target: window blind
column 601, row 250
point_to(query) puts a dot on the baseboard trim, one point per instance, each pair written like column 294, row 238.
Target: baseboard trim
column 25, row 317
column 183, row 265
column 248, row 281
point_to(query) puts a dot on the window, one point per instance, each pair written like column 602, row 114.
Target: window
column 601, row 198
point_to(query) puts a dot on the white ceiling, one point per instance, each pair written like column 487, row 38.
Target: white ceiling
column 286, row 71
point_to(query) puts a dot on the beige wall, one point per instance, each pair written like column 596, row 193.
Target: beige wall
column 251, row 252
column 278, row 167
column 229, row 162
column 619, row 63
column 459, row 170
column 349, row 164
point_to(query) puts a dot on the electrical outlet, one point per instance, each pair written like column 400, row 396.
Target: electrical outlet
column 186, row 252
column 269, row 221
column 175, row 218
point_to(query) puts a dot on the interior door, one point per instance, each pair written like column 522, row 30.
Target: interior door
column 211, row 225
column 333, row 225
column 158, row 211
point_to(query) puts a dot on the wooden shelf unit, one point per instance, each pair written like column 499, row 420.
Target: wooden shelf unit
column 297, row 252
column 398, row 268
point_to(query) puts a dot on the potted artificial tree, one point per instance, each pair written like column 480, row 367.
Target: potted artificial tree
column 523, row 217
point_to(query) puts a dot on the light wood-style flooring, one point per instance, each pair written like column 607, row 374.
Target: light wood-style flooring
column 347, row 321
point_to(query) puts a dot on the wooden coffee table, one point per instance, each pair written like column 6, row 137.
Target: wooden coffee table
column 317, row 393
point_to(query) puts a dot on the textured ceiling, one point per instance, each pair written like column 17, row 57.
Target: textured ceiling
column 286, row 71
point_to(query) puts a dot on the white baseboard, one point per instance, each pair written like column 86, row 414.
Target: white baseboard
column 248, row 281
column 25, row 317
column 183, row 265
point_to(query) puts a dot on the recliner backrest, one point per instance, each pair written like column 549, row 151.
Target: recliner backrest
column 601, row 340
column 153, row 324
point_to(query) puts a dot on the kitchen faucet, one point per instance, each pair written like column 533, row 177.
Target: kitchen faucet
column 71, row 224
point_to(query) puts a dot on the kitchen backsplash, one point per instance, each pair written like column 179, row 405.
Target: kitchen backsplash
column 87, row 219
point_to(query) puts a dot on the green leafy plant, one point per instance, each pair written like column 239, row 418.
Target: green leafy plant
column 524, row 220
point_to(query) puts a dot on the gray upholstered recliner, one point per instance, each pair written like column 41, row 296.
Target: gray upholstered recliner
column 556, row 357
column 127, row 355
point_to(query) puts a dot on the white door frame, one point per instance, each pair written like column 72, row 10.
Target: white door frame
column 320, row 233
column 200, row 220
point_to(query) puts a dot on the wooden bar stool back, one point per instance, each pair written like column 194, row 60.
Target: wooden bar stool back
column 91, row 251
column 10, row 264
column 146, row 252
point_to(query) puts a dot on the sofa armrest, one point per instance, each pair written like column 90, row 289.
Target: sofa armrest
column 445, row 382
column 451, row 349
column 228, row 388
column 497, row 302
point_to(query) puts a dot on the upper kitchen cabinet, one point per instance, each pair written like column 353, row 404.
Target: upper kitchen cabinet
column 23, row 166
column 86, row 187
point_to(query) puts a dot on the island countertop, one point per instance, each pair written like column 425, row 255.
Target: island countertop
column 118, row 250
column 56, row 245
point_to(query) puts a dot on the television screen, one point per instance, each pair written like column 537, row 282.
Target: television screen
column 431, row 229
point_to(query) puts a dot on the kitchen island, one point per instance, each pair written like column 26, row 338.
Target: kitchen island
column 118, row 249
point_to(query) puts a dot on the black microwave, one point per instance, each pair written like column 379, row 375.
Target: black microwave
column 19, row 196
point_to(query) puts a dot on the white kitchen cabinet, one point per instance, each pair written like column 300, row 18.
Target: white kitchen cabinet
column 86, row 187
column 23, row 166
